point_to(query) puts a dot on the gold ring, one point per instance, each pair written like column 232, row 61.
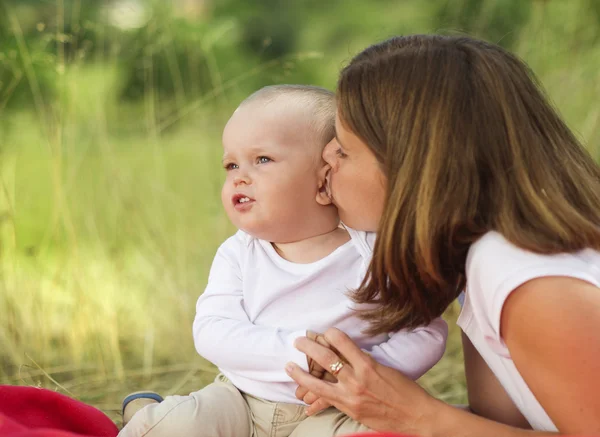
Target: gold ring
column 336, row 367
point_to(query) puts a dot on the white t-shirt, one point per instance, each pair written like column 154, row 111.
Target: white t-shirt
column 257, row 303
column 494, row 269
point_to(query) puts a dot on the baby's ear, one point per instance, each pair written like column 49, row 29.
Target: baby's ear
column 323, row 197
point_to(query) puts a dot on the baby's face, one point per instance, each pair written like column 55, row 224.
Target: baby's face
column 273, row 169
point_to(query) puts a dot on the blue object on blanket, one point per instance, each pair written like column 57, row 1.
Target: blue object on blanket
column 141, row 395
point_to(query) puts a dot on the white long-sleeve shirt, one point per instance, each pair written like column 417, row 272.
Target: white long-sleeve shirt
column 257, row 303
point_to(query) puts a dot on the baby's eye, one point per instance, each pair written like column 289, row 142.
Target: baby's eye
column 231, row 166
column 263, row 159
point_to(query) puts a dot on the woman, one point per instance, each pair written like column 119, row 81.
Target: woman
column 446, row 147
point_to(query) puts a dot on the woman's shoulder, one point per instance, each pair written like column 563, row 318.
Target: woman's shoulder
column 493, row 245
column 496, row 257
column 496, row 267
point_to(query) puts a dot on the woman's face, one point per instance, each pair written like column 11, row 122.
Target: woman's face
column 356, row 183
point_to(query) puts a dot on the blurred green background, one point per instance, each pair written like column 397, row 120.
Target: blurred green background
column 110, row 119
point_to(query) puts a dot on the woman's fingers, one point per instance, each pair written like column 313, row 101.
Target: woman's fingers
column 315, row 403
column 329, row 377
column 317, row 371
column 347, row 348
column 314, row 368
column 322, row 355
column 317, row 386
column 310, row 398
column 301, row 392
column 312, row 335
column 317, row 406
column 322, row 341
column 311, row 364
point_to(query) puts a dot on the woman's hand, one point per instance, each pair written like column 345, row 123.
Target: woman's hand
column 379, row 397
column 383, row 399
column 316, row 370
column 316, row 403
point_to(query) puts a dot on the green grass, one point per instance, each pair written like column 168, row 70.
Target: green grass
column 108, row 231
column 106, row 243
column 110, row 215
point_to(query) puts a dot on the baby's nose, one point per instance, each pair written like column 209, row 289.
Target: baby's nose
column 241, row 180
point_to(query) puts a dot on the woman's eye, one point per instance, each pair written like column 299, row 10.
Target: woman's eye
column 231, row 166
column 263, row 160
column 339, row 152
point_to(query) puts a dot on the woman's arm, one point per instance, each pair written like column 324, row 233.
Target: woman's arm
column 551, row 327
column 487, row 397
column 385, row 400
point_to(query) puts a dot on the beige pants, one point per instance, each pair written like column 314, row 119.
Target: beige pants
column 221, row 410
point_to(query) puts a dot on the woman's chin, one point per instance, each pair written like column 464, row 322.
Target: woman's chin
column 348, row 221
column 353, row 221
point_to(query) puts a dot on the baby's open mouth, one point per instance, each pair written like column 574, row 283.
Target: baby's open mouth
column 241, row 199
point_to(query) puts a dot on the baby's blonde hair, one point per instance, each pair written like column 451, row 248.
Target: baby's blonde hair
column 318, row 104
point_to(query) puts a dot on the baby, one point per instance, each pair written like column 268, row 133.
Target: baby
column 290, row 269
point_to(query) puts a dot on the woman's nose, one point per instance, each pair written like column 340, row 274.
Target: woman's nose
column 329, row 155
column 324, row 170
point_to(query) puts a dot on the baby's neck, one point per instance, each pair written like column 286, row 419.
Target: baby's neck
column 314, row 248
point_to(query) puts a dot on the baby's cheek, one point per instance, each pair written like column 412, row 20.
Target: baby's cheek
column 225, row 196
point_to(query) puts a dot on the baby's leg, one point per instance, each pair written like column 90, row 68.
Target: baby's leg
column 218, row 410
column 331, row 422
column 274, row 419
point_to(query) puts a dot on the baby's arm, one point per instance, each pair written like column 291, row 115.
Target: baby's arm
column 413, row 352
column 224, row 335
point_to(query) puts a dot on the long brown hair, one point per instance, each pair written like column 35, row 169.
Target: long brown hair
column 469, row 144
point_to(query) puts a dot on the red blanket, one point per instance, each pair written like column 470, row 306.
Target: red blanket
column 37, row 412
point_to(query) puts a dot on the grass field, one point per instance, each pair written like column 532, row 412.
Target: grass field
column 110, row 216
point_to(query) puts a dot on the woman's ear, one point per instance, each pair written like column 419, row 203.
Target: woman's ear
column 323, row 197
